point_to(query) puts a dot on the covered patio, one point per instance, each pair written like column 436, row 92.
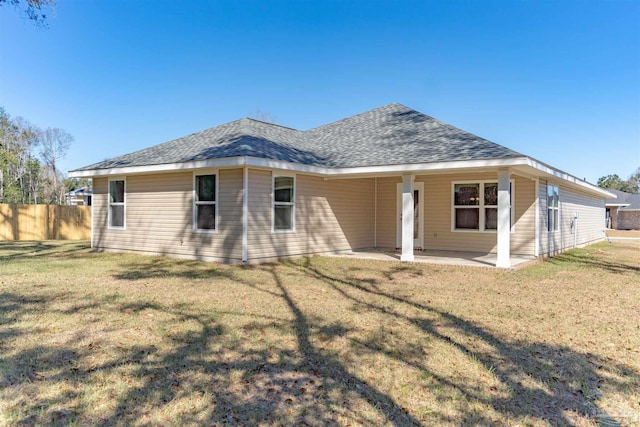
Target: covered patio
column 464, row 259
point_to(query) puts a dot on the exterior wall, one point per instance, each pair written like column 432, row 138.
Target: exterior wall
column 330, row 215
column 588, row 228
column 159, row 217
column 438, row 200
column 628, row 220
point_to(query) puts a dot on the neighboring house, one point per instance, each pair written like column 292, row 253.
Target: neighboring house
column 249, row 191
column 79, row 196
column 623, row 212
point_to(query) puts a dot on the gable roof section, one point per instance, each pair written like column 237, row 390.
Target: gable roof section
column 389, row 135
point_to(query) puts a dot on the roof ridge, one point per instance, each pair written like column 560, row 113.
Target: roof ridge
column 394, row 104
column 269, row 123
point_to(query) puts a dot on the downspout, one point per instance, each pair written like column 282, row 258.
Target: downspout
column 245, row 214
column 575, row 230
column 92, row 216
column 536, row 227
column 375, row 214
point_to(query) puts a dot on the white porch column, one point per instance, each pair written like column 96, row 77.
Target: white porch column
column 407, row 218
column 504, row 220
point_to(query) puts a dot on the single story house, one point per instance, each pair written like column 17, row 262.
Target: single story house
column 249, row 191
column 79, row 197
column 623, row 211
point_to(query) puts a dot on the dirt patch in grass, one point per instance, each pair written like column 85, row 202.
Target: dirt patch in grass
column 119, row 339
column 635, row 234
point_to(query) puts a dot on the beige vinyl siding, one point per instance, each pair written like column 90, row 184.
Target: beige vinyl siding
column 438, row 234
column 548, row 242
column 590, row 222
column 159, row 217
column 387, row 212
column 330, row 215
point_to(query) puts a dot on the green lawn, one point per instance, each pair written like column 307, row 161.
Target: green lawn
column 119, row 339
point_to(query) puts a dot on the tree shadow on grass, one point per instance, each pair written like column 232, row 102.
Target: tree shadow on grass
column 544, row 381
column 200, row 371
column 586, row 260
column 12, row 250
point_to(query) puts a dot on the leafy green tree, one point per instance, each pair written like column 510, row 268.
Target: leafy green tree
column 614, row 182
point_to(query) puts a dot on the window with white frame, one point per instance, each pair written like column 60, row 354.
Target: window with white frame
column 283, row 203
column 116, row 213
column 475, row 206
column 553, row 208
column 205, row 203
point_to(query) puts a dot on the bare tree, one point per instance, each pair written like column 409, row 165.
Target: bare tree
column 35, row 10
column 27, row 138
column 263, row 116
column 55, row 143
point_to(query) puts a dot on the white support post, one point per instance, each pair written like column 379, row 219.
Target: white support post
column 536, row 238
column 504, row 220
column 245, row 214
column 407, row 218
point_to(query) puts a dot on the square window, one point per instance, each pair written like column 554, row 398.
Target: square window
column 467, row 219
column 206, row 217
column 467, row 194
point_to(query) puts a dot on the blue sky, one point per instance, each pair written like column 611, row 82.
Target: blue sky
column 556, row 80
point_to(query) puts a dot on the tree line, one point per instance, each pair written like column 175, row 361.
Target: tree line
column 29, row 162
column 614, row 182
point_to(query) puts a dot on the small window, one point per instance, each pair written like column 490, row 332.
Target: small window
column 283, row 203
column 205, row 203
column 553, row 208
column 116, row 203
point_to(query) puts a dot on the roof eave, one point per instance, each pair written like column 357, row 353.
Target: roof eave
column 530, row 165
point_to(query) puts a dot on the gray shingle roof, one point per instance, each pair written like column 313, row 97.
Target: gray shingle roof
column 389, row 135
column 631, row 201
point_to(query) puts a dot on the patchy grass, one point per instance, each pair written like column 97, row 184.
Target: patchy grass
column 117, row 339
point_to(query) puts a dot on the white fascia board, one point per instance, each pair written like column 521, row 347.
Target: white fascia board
column 167, row 167
column 426, row 167
column 296, row 167
column 548, row 170
column 540, row 168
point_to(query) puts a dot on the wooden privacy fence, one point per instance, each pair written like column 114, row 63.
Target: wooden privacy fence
column 45, row 222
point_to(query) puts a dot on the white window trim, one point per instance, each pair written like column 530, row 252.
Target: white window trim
column 274, row 175
column 195, row 202
column 123, row 204
column 556, row 225
column 481, row 206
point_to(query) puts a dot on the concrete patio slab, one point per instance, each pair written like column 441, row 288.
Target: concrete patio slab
column 467, row 259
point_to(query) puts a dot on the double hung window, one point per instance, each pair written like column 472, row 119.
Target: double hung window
column 283, row 203
column 553, row 208
column 205, row 203
column 116, row 203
